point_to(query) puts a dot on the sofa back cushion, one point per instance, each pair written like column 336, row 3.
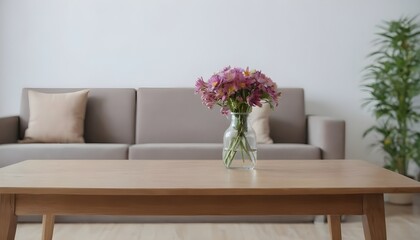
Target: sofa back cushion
column 288, row 120
column 176, row 115
column 110, row 114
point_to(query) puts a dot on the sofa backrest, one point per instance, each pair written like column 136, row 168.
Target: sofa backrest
column 176, row 115
column 110, row 114
column 288, row 120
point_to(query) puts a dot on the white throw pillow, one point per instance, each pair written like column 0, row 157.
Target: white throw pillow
column 56, row 117
column 260, row 118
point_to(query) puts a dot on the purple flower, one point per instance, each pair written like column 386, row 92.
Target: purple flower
column 200, row 85
column 224, row 110
column 254, row 99
column 237, row 90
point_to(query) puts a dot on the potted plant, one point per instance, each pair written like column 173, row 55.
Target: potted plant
column 392, row 81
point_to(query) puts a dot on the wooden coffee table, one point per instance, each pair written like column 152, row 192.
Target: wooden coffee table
column 172, row 187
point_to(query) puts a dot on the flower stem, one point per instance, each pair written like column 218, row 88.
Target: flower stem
column 239, row 142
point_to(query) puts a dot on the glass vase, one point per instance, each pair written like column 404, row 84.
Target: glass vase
column 239, row 143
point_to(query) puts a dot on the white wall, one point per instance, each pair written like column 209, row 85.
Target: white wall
column 319, row 45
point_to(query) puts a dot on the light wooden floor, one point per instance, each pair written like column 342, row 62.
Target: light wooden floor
column 403, row 223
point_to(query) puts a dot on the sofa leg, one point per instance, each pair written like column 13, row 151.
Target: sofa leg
column 320, row 219
column 323, row 218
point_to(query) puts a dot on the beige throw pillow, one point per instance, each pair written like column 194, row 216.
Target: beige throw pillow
column 260, row 117
column 56, row 117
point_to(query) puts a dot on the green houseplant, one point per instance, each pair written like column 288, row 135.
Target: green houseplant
column 392, row 81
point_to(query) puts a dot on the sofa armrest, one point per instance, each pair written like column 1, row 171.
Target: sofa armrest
column 328, row 134
column 9, row 129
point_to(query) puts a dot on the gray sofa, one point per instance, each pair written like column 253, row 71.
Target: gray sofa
column 171, row 123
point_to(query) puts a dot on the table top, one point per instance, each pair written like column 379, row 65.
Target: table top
column 200, row 177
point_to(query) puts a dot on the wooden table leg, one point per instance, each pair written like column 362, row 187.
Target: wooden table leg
column 7, row 217
column 47, row 226
column 374, row 217
column 334, row 222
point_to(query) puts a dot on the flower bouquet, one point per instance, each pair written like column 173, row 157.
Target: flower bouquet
column 236, row 91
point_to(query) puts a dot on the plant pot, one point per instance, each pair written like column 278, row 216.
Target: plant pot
column 399, row 198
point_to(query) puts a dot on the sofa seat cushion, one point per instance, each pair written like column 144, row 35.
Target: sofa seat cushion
column 288, row 151
column 13, row 153
column 191, row 151
column 176, row 151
